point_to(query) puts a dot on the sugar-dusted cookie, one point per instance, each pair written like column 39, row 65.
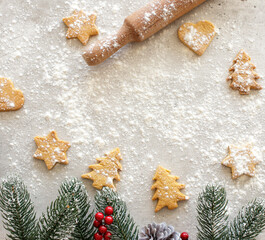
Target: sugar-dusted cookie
column 51, row 150
column 81, row 26
column 106, row 170
column 242, row 75
column 197, row 36
column 241, row 160
column 167, row 189
column 11, row 99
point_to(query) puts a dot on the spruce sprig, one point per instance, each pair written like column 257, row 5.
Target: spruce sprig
column 123, row 226
column 212, row 213
column 68, row 216
column 84, row 229
column 249, row 222
column 17, row 210
column 60, row 219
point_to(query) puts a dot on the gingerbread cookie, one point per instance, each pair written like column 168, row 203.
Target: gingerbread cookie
column 11, row 99
column 106, row 170
column 242, row 75
column 81, row 26
column 167, row 189
column 51, row 150
column 197, row 37
column 241, row 160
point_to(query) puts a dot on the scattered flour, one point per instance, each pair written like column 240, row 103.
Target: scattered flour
column 155, row 100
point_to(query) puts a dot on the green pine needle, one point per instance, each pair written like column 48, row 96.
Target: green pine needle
column 17, row 210
column 68, row 216
column 123, row 226
column 60, row 220
column 212, row 213
column 249, row 222
column 84, row 229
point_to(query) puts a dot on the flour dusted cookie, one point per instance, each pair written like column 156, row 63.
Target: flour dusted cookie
column 242, row 75
column 81, row 26
column 197, row 36
column 241, row 160
column 51, row 150
column 11, row 99
column 167, row 189
column 106, row 170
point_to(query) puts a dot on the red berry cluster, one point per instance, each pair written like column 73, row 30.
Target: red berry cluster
column 184, row 236
column 98, row 223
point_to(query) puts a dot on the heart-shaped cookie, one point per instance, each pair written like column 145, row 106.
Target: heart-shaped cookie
column 197, row 36
column 11, row 99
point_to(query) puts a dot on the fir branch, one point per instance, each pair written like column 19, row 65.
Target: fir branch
column 17, row 210
column 84, row 229
column 123, row 226
column 60, row 221
column 249, row 222
column 212, row 213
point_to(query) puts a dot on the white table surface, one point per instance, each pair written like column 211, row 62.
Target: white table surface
column 156, row 100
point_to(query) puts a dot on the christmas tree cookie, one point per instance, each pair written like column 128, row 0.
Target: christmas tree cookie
column 242, row 75
column 51, row 150
column 241, row 160
column 106, row 170
column 167, row 189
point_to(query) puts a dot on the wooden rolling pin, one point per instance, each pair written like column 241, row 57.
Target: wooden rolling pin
column 139, row 26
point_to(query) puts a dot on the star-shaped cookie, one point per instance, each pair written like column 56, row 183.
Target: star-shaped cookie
column 241, row 160
column 81, row 26
column 51, row 150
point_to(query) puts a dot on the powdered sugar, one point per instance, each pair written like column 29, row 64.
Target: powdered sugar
column 190, row 35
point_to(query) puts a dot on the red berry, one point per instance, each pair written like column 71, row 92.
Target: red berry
column 107, row 236
column 97, row 236
column 99, row 216
column 102, row 229
column 108, row 210
column 108, row 220
column 184, row 236
column 96, row 223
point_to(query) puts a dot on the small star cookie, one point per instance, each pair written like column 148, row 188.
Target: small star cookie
column 51, row 150
column 242, row 75
column 106, row 170
column 241, row 160
column 167, row 189
column 11, row 99
column 81, row 26
column 197, row 37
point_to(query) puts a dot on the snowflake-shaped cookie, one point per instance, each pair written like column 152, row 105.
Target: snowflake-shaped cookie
column 241, row 160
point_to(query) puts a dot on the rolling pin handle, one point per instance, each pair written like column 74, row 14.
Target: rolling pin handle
column 102, row 50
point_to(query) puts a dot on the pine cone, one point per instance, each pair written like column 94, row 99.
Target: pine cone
column 158, row 232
